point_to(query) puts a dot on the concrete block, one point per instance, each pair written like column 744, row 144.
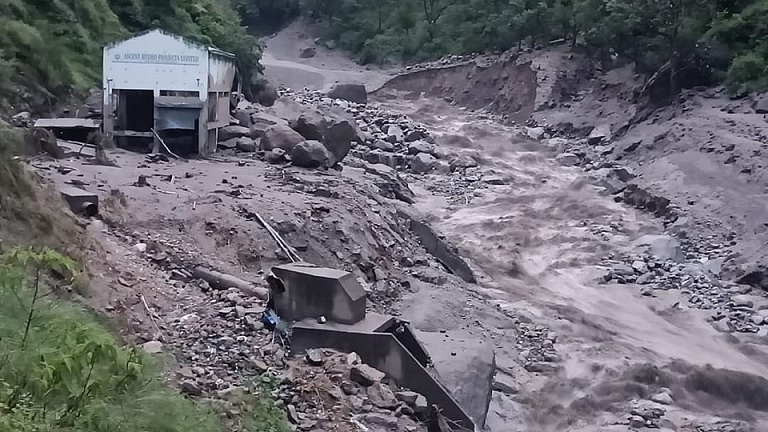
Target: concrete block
column 80, row 201
column 301, row 291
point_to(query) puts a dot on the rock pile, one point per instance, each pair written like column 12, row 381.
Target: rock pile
column 326, row 387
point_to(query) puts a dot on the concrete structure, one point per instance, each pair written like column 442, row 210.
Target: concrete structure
column 302, row 290
column 379, row 344
column 80, row 201
column 179, row 88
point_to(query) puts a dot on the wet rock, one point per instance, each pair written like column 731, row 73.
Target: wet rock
column 233, row 132
column 338, row 138
column 350, row 92
column 349, row 389
column 661, row 247
column 246, row 144
column 408, row 397
column 365, row 375
column 567, row 159
column 423, row 163
column 280, row 136
column 266, row 93
column 293, row 415
column 381, row 396
column 311, row 154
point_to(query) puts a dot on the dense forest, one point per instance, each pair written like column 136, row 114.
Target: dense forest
column 51, row 48
column 701, row 41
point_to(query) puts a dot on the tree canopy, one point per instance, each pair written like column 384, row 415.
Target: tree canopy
column 710, row 39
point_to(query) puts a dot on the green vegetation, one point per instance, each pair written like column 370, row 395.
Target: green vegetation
column 52, row 48
column 700, row 41
column 61, row 371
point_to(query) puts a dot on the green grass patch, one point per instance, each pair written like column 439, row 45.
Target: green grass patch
column 62, row 371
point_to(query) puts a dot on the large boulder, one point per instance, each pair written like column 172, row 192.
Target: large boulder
column 338, row 138
column 307, row 52
column 280, row 136
column 260, row 122
column 334, row 130
column 350, row 92
column 233, row 132
column 311, row 125
column 265, row 92
column 423, row 163
column 311, row 154
column 246, row 144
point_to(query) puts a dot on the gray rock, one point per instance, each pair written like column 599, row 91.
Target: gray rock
column 349, row 389
column 505, row 384
column 365, row 375
column 293, row 416
column 260, row 122
column 191, row 388
column 636, row 422
column 661, row 247
column 408, row 397
column 246, row 144
column 228, row 144
column 463, row 161
column 421, row 405
column 535, row 132
column 350, row 92
column 663, row 398
column 311, row 125
column 276, row 156
column 761, row 104
column 395, row 134
column 153, row 347
column 244, row 116
column 567, row 159
column 495, row 180
column 311, row 154
column 381, row 396
column 383, row 145
column 414, row 135
column 229, row 132
column 267, row 93
column 22, row 119
column 308, row 52
column 315, row 357
column 338, row 138
column 387, row 422
column 598, row 134
column 423, row 163
column 280, row 136
column 417, row 147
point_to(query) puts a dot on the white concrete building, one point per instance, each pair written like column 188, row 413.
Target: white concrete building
column 169, row 84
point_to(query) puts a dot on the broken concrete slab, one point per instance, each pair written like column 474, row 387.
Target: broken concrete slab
column 465, row 366
column 80, row 201
column 301, row 290
column 442, row 250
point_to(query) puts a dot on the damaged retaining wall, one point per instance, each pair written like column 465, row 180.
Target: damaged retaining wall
column 441, row 249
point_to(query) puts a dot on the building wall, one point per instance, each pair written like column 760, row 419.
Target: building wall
column 156, row 61
column 221, row 76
